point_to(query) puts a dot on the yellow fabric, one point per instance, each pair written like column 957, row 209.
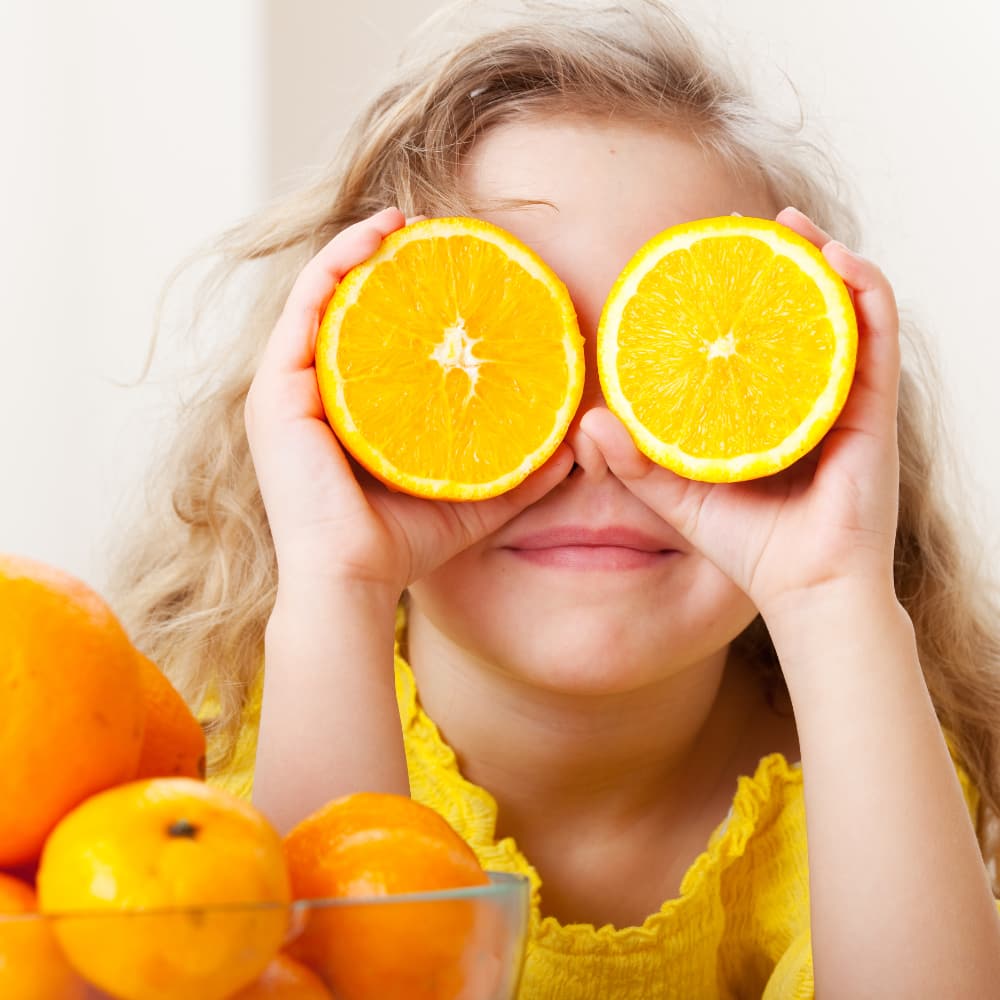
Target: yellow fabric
column 739, row 928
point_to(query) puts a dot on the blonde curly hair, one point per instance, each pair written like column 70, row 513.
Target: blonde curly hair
column 195, row 580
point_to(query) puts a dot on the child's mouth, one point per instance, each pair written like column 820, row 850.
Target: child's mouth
column 584, row 548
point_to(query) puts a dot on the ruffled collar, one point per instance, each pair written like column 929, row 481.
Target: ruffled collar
column 437, row 778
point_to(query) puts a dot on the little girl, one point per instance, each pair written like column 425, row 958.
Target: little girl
column 645, row 693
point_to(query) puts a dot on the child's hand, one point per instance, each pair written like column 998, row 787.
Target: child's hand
column 329, row 520
column 831, row 516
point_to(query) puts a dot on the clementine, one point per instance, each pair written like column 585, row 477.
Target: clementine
column 727, row 348
column 173, row 742
column 450, row 363
column 166, row 889
column 285, row 979
column 72, row 702
column 363, row 850
column 32, row 965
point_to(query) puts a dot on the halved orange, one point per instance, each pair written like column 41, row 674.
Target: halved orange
column 727, row 348
column 450, row 363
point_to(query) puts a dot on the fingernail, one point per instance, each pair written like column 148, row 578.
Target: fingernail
column 837, row 245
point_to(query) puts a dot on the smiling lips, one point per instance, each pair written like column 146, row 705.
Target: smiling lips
column 611, row 548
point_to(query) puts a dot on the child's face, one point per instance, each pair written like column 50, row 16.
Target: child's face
column 573, row 615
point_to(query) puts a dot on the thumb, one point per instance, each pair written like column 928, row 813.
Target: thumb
column 675, row 499
column 615, row 443
column 485, row 516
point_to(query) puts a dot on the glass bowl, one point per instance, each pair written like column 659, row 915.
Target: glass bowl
column 459, row 944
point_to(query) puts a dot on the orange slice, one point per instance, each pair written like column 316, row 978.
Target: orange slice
column 450, row 363
column 727, row 348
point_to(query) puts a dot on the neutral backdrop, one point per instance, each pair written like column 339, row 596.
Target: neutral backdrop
column 136, row 131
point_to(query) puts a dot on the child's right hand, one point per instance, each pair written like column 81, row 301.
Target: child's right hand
column 330, row 521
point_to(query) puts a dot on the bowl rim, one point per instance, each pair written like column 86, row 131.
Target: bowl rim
column 500, row 885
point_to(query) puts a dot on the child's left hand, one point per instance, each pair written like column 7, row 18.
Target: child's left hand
column 831, row 516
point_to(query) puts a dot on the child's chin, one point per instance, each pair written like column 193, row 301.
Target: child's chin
column 587, row 671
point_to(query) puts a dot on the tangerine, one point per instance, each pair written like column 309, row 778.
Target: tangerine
column 166, row 889
column 363, row 850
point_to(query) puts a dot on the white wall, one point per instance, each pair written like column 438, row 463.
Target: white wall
column 907, row 92
column 131, row 132
column 136, row 131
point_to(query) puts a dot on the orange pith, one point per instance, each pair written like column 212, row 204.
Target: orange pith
column 727, row 347
column 450, row 363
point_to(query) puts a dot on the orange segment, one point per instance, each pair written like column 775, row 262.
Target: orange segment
column 727, row 348
column 450, row 363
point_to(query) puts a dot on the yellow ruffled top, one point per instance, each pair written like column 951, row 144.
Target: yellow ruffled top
column 738, row 929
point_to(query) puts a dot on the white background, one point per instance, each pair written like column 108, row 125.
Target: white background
column 134, row 132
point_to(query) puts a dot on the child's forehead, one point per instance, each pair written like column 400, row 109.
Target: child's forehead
column 590, row 178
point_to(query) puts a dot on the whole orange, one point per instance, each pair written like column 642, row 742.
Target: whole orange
column 32, row 965
column 173, row 742
column 378, row 845
column 156, row 872
column 285, row 979
column 72, row 704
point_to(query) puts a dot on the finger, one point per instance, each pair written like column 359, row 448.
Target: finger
column 677, row 500
column 293, row 341
column 615, row 443
column 878, row 321
column 496, row 511
column 875, row 307
column 472, row 521
column 800, row 223
column 873, row 295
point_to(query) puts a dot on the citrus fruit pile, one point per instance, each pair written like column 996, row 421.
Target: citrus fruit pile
column 450, row 363
column 121, row 870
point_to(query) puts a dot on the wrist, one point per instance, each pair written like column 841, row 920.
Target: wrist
column 832, row 605
column 839, row 632
column 313, row 565
column 323, row 600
